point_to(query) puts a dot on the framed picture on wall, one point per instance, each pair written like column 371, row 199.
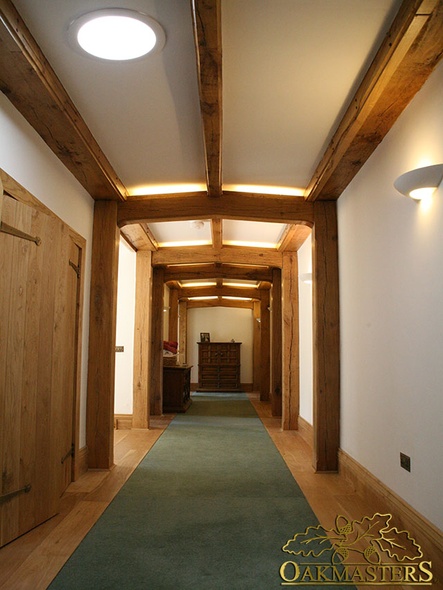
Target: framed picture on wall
column 205, row 337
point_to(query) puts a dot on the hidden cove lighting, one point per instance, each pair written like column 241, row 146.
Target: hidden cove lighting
column 116, row 34
column 420, row 183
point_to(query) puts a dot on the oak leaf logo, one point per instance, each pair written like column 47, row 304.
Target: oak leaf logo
column 370, row 537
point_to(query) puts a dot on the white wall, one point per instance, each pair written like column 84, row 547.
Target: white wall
column 25, row 157
column 124, row 361
column 305, row 314
column 223, row 324
column 391, row 289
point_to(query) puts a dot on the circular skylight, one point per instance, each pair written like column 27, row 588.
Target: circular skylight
column 116, row 34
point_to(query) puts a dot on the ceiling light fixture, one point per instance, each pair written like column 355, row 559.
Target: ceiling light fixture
column 197, row 224
column 116, row 34
column 420, row 183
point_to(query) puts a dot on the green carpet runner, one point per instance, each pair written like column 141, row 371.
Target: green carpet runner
column 209, row 507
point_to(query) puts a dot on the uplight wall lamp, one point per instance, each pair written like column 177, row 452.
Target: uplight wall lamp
column 420, row 183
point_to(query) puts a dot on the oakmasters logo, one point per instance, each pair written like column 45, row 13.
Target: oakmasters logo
column 362, row 552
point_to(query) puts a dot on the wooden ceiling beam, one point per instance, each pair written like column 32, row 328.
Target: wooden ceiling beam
column 30, row 83
column 219, row 303
column 403, row 63
column 206, row 16
column 140, row 237
column 293, row 237
column 206, row 254
column 185, row 292
column 213, row 271
column 217, row 233
column 232, row 205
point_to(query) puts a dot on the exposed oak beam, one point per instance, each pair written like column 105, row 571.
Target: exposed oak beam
column 206, row 15
column 139, row 237
column 406, row 58
column 293, row 237
column 212, row 271
column 30, row 83
column 245, row 206
column 220, row 303
column 217, row 233
column 205, row 254
column 225, row 291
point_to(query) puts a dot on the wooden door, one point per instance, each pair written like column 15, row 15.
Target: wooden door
column 33, row 376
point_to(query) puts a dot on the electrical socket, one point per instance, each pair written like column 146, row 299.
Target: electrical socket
column 405, row 462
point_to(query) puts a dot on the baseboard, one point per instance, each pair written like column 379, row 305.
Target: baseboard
column 247, row 387
column 427, row 535
column 81, row 462
column 123, row 421
column 306, row 431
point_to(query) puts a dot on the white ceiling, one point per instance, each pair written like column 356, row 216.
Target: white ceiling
column 290, row 68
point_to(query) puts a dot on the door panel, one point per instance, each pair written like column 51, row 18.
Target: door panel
column 36, row 366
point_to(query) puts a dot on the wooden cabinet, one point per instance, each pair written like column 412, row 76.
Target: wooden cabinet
column 176, row 388
column 219, row 366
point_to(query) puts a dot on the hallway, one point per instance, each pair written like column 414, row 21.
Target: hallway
column 32, row 561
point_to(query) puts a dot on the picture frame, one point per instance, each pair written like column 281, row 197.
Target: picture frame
column 205, row 337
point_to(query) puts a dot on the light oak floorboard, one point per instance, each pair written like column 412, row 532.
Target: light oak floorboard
column 329, row 494
column 32, row 561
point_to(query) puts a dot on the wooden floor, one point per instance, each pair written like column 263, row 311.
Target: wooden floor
column 33, row 560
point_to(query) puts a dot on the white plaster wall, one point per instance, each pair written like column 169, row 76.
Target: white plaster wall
column 223, row 324
column 305, row 318
column 124, row 361
column 391, row 288
column 25, row 157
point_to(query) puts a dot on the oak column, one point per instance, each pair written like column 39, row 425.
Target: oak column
column 156, row 354
column 182, row 331
column 326, row 328
column 173, row 315
column 265, row 345
column 290, row 356
column 140, row 414
column 102, row 326
column 256, row 352
column 276, row 364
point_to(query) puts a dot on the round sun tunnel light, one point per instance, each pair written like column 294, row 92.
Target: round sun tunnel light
column 117, row 34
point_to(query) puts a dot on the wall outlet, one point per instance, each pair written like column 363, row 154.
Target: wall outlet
column 405, row 462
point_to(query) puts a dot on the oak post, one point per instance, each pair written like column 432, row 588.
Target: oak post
column 140, row 413
column 102, row 329
column 326, row 328
column 265, row 345
column 276, row 365
column 291, row 347
column 256, row 349
column 173, row 314
column 156, row 349
column 182, row 331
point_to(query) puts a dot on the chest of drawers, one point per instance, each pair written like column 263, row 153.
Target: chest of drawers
column 219, row 366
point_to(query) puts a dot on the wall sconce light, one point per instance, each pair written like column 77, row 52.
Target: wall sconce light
column 420, row 183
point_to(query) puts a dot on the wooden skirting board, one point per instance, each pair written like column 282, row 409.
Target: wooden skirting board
column 81, row 463
column 122, row 421
column 247, row 387
column 428, row 536
column 306, row 431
